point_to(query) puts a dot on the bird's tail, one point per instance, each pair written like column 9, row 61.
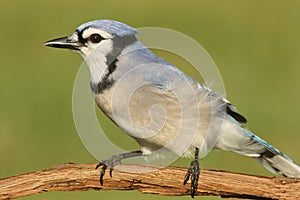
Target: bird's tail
column 271, row 158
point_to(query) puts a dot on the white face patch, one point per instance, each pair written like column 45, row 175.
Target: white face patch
column 104, row 47
column 96, row 59
column 95, row 53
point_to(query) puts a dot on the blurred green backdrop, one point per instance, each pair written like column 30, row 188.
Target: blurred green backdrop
column 254, row 43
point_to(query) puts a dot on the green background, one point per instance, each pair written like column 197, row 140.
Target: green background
column 255, row 44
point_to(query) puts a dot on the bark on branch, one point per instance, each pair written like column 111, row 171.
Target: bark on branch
column 156, row 180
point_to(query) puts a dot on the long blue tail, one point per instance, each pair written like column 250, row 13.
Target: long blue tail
column 237, row 139
column 271, row 158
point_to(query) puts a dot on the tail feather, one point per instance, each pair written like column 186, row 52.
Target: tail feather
column 272, row 159
column 240, row 140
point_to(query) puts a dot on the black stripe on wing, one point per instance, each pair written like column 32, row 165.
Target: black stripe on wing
column 238, row 117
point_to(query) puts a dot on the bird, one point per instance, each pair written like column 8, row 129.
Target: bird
column 118, row 61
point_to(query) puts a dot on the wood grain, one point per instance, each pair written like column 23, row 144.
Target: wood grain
column 149, row 179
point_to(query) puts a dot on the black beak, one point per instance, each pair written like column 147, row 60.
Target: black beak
column 64, row 43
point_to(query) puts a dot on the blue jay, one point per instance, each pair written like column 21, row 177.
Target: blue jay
column 112, row 53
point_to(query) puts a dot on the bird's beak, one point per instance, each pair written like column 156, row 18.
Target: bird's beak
column 64, row 43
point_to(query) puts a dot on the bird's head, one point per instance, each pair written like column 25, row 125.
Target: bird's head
column 103, row 36
column 99, row 42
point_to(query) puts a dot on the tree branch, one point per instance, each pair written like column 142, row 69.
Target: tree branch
column 163, row 181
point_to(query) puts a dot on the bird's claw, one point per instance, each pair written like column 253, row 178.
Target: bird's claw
column 111, row 163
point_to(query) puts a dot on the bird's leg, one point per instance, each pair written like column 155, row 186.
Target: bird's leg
column 193, row 172
column 113, row 161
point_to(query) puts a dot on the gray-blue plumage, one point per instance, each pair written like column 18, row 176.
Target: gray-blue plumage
column 110, row 26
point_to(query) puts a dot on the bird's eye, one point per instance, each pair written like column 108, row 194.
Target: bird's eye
column 95, row 38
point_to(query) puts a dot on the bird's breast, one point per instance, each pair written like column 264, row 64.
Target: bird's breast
column 103, row 100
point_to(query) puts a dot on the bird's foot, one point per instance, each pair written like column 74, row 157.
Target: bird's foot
column 193, row 172
column 111, row 163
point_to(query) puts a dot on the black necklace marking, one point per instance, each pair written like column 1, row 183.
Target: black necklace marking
column 119, row 43
column 107, row 80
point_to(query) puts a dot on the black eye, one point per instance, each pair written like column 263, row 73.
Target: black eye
column 95, row 38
